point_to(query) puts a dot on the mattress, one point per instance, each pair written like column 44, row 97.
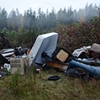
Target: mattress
column 44, row 43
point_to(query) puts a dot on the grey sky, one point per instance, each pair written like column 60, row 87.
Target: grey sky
column 23, row 5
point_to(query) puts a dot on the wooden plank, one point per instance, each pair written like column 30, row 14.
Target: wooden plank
column 61, row 66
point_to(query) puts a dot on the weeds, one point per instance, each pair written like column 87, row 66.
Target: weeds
column 35, row 86
column 15, row 85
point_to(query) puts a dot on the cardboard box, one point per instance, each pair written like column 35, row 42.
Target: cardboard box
column 19, row 65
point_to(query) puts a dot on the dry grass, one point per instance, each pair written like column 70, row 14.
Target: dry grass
column 36, row 87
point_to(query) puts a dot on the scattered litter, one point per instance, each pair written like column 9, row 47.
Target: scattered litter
column 3, row 73
column 8, row 67
column 54, row 78
column 38, row 70
column 84, row 69
column 84, row 61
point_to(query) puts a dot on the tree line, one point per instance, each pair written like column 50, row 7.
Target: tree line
column 30, row 20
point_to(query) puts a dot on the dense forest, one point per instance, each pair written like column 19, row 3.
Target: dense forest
column 70, row 24
column 40, row 20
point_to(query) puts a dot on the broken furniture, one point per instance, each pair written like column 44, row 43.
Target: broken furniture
column 61, row 55
column 80, row 69
column 59, row 59
column 88, row 54
column 44, row 52
column 58, row 65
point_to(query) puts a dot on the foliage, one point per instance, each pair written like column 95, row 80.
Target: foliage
column 95, row 26
column 40, row 20
column 25, row 38
column 64, row 88
column 70, row 36
column 77, row 35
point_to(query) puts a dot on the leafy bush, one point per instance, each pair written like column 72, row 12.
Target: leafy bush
column 70, row 37
column 78, row 34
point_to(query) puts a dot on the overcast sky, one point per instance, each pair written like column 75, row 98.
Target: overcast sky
column 23, row 5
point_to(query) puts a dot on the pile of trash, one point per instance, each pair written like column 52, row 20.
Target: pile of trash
column 11, row 58
column 84, row 62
